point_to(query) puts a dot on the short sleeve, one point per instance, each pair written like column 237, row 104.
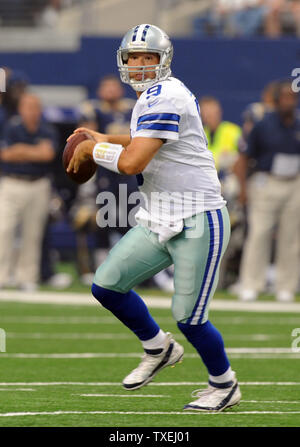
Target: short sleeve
column 158, row 117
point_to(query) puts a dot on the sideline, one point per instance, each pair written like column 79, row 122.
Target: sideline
column 86, row 299
column 178, row 413
column 265, row 353
column 167, row 384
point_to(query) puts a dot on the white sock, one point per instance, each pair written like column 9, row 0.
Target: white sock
column 157, row 342
column 223, row 378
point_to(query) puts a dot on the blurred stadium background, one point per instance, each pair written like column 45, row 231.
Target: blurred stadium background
column 228, row 50
column 60, row 49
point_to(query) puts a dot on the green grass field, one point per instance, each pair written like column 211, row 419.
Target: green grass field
column 64, row 365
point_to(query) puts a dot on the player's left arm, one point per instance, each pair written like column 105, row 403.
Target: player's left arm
column 131, row 160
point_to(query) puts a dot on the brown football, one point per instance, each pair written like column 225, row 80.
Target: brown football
column 86, row 170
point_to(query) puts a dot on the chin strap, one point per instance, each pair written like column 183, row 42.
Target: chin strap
column 107, row 155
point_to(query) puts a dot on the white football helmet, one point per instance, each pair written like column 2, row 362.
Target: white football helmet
column 147, row 39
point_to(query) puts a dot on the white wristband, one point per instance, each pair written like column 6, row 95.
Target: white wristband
column 107, row 155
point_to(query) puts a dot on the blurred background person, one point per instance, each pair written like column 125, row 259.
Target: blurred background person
column 253, row 113
column 49, row 14
column 268, row 96
column 272, row 197
column 233, row 18
column 283, row 18
column 29, row 146
column 2, row 117
column 16, row 85
column 222, row 136
column 245, row 17
column 239, row 18
column 110, row 111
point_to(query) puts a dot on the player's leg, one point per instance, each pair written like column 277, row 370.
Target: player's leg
column 197, row 260
column 35, row 213
column 287, row 247
column 263, row 211
column 135, row 258
column 12, row 196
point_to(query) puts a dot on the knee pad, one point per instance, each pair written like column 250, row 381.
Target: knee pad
column 109, row 277
column 182, row 307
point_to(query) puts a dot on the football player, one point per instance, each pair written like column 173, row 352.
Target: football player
column 185, row 221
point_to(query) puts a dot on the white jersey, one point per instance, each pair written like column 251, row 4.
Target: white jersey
column 181, row 180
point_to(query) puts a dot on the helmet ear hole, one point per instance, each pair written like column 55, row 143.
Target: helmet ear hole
column 124, row 57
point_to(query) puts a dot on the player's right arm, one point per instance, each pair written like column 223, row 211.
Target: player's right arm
column 97, row 137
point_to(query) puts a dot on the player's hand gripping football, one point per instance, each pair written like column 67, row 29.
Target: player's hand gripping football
column 82, row 153
column 89, row 134
column 84, row 150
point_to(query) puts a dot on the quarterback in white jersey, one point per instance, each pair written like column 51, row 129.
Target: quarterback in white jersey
column 167, row 150
column 182, row 173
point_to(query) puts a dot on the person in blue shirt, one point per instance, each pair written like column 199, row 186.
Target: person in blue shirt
column 15, row 86
column 273, row 199
column 28, row 148
column 2, row 119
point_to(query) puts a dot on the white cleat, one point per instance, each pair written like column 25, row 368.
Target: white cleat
column 214, row 398
column 152, row 364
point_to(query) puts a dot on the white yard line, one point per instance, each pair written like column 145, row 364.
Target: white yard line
column 122, row 395
column 179, row 413
column 69, row 336
column 271, row 401
column 120, row 336
column 257, row 320
column 297, row 402
column 237, row 352
column 17, row 389
column 57, row 320
column 151, row 301
column 265, row 356
column 170, row 384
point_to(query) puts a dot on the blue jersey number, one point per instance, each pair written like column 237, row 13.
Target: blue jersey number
column 153, row 91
